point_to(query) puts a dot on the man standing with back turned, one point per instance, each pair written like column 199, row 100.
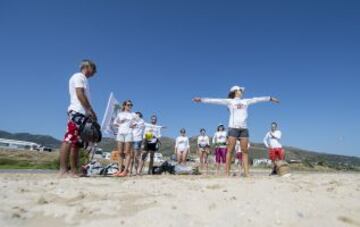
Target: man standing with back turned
column 80, row 107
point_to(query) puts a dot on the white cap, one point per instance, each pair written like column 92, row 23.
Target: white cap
column 236, row 88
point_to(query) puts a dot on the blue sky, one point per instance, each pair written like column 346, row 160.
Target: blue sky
column 160, row 54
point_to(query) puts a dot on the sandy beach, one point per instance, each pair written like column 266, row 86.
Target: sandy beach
column 303, row 199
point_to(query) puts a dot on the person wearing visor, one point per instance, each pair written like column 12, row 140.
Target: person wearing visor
column 182, row 147
column 203, row 145
column 238, row 108
column 219, row 140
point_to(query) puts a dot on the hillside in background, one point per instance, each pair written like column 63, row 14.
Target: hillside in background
column 44, row 140
column 257, row 150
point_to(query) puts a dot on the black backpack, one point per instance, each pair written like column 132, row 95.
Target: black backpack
column 90, row 131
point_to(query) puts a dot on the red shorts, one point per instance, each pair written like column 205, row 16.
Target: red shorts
column 276, row 154
column 72, row 134
column 239, row 156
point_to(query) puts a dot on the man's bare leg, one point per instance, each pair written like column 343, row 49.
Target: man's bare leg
column 151, row 163
column 132, row 160
column 142, row 162
column 230, row 149
column 244, row 142
column 74, row 160
column 64, row 157
column 137, row 157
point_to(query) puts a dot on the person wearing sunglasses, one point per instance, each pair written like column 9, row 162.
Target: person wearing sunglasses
column 238, row 108
column 125, row 121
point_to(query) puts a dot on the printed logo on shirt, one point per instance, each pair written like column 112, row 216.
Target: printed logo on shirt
column 239, row 106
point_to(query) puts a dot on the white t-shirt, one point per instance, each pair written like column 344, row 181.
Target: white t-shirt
column 203, row 141
column 238, row 146
column 78, row 80
column 138, row 131
column 182, row 143
column 155, row 130
column 272, row 139
column 220, row 138
column 129, row 119
column 237, row 108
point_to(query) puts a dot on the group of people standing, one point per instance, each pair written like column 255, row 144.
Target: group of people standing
column 220, row 143
column 237, row 127
column 136, row 138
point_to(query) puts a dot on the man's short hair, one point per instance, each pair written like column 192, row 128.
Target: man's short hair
column 140, row 114
column 274, row 123
column 87, row 63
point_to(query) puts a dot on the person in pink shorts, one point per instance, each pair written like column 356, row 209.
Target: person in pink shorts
column 219, row 140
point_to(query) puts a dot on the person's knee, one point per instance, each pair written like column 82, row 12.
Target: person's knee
column 127, row 152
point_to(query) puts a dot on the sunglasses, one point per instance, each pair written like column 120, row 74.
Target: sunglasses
column 130, row 105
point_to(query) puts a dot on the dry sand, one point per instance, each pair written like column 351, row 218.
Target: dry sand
column 304, row 199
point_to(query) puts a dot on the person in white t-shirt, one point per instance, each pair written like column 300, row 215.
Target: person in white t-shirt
column 152, row 135
column 203, row 144
column 182, row 147
column 126, row 121
column 220, row 140
column 138, row 134
column 238, row 155
column 272, row 142
column 80, row 107
column 238, row 108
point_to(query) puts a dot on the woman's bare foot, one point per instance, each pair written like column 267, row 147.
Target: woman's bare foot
column 117, row 174
column 123, row 174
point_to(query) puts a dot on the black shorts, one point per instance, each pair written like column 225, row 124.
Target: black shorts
column 150, row 146
column 238, row 132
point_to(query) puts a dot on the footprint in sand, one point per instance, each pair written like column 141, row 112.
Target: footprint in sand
column 212, row 206
column 348, row 220
column 214, row 186
column 42, row 201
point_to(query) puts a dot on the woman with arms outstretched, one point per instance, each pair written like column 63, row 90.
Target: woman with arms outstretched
column 237, row 122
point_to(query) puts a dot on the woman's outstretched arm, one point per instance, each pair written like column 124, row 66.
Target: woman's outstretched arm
column 262, row 99
column 212, row 101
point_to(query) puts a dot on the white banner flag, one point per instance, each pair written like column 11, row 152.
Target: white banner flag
column 112, row 109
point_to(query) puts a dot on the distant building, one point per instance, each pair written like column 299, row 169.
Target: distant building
column 18, row 144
